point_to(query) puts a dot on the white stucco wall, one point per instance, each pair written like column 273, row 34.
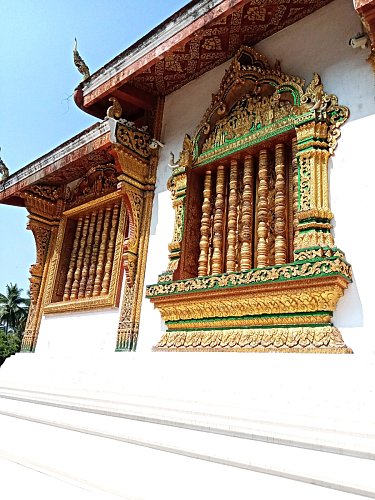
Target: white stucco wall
column 319, row 43
column 84, row 333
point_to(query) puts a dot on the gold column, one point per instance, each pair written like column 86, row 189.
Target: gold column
column 314, row 214
column 73, row 260
column 110, row 251
column 205, row 225
column 231, row 260
column 262, row 211
column 94, row 256
column 102, row 250
column 81, row 251
column 140, row 208
column 217, row 240
column 87, row 257
column 280, row 208
column 139, row 215
column 246, row 216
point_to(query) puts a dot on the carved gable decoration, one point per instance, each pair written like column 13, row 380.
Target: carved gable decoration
column 98, row 181
column 256, row 101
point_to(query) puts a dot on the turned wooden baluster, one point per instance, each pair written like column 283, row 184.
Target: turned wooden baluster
column 87, row 257
column 246, row 216
column 280, row 205
column 205, row 225
column 73, row 260
column 217, row 240
column 262, row 210
column 95, row 252
column 81, row 251
column 110, row 250
column 101, row 256
column 231, row 264
column 295, row 185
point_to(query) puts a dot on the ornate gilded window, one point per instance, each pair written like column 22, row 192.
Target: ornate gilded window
column 253, row 265
column 86, row 265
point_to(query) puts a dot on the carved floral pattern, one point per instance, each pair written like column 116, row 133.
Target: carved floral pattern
column 326, row 339
column 98, row 181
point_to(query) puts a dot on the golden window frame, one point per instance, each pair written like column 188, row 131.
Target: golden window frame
column 110, row 299
column 285, row 306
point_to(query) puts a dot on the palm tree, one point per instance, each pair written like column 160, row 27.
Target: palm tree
column 13, row 310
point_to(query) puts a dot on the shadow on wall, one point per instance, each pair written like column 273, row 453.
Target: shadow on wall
column 154, row 215
column 349, row 312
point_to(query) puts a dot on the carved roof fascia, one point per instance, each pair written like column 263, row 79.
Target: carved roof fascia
column 68, row 152
column 150, row 63
column 140, row 50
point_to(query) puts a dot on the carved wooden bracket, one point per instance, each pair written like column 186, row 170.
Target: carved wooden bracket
column 42, row 235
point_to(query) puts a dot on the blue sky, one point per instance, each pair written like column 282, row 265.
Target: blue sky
column 37, row 111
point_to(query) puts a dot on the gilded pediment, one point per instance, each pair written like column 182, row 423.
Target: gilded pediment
column 257, row 101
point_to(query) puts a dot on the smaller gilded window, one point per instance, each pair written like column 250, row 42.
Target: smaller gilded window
column 86, row 265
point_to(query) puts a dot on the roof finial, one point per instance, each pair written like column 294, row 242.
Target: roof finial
column 4, row 171
column 79, row 62
column 114, row 111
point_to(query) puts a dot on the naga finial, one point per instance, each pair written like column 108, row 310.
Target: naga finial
column 4, row 171
column 79, row 62
column 185, row 158
column 114, row 111
column 314, row 94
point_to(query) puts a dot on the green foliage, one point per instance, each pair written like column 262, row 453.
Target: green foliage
column 13, row 315
column 10, row 343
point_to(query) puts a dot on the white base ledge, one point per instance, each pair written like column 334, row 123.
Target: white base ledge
column 163, row 426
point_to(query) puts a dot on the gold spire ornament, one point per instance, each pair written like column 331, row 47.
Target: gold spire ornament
column 80, row 63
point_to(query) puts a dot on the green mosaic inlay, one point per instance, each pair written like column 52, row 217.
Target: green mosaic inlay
column 254, row 317
column 300, row 270
column 314, row 230
column 257, row 327
column 247, row 140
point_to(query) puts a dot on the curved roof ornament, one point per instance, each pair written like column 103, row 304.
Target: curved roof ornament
column 4, row 171
column 79, row 62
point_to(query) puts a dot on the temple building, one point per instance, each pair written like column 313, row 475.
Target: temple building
column 201, row 321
